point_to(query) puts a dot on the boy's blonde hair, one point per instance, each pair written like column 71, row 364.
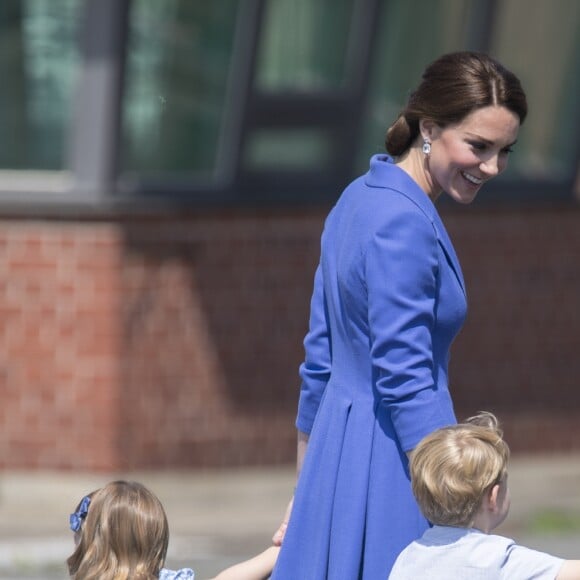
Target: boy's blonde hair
column 453, row 468
column 124, row 536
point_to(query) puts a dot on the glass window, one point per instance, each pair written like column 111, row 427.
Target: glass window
column 181, row 98
column 39, row 56
column 178, row 64
column 302, row 51
column 545, row 53
column 441, row 28
column 283, row 149
column 304, row 45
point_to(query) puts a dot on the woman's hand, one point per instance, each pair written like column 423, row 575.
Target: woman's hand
column 302, row 445
column 278, row 537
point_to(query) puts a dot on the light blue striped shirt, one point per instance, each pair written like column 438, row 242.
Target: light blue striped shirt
column 469, row 554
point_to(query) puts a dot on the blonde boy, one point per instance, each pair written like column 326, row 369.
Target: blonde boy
column 459, row 478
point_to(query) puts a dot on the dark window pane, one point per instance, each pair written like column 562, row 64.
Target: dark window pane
column 288, row 149
column 405, row 45
column 38, row 60
column 177, row 75
column 546, row 54
column 304, row 45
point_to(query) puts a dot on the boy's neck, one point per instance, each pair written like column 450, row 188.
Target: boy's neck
column 484, row 521
column 493, row 509
column 483, row 529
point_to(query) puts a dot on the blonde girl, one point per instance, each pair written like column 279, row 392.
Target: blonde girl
column 121, row 533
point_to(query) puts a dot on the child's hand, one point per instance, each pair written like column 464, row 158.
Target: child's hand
column 257, row 568
column 278, row 537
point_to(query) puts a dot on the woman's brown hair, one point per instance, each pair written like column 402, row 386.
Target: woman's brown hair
column 452, row 87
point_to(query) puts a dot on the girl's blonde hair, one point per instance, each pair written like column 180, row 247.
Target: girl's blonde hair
column 453, row 467
column 124, row 535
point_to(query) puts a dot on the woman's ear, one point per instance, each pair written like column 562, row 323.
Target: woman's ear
column 428, row 129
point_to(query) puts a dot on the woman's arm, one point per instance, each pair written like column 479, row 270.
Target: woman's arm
column 300, row 453
column 257, row 568
column 402, row 276
column 301, row 447
column 314, row 371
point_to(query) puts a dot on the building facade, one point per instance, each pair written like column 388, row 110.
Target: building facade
column 165, row 172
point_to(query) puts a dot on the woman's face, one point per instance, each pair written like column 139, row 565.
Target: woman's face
column 466, row 155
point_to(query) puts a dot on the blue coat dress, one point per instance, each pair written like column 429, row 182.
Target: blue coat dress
column 388, row 301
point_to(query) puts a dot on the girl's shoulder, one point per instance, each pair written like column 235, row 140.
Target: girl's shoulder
column 182, row 574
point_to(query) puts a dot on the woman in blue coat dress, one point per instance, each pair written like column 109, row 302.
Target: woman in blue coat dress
column 388, row 300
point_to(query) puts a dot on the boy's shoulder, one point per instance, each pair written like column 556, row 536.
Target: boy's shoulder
column 443, row 552
column 441, row 535
column 454, row 540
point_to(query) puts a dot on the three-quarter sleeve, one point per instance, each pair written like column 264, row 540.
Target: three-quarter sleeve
column 402, row 276
column 315, row 370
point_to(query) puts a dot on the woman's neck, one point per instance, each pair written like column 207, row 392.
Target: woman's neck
column 416, row 165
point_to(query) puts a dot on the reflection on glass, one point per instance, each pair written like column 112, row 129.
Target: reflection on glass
column 38, row 62
column 177, row 70
column 405, row 45
column 304, row 45
column 288, row 149
column 546, row 55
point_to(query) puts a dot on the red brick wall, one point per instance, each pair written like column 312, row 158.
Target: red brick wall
column 175, row 342
column 59, row 344
column 519, row 352
column 214, row 310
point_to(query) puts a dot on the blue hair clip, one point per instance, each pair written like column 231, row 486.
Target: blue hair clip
column 77, row 518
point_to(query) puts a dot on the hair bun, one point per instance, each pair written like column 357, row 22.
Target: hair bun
column 399, row 136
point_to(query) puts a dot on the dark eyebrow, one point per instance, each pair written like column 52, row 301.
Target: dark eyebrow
column 487, row 141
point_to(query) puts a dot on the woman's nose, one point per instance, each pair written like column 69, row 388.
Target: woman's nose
column 491, row 166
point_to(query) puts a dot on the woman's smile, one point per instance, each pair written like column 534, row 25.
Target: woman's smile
column 472, row 179
column 466, row 155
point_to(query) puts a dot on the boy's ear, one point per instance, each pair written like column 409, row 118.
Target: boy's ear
column 492, row 497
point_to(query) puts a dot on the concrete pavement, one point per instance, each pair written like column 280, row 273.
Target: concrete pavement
column 219, row 517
